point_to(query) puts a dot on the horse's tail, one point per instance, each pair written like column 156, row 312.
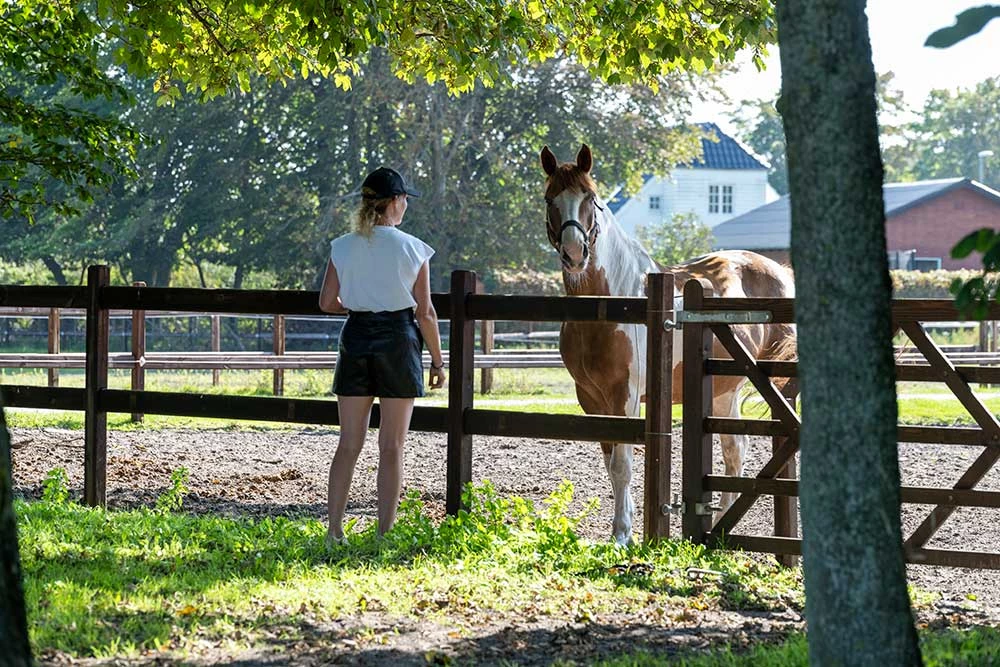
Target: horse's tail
column 781, row 346
column 782, row 342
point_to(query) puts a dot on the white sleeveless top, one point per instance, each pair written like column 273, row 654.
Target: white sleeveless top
column 378, row 273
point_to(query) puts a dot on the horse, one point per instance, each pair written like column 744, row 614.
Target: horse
column 607, row 360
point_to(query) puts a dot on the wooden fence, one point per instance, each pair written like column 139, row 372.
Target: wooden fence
column 777, row 476
column 461, row 420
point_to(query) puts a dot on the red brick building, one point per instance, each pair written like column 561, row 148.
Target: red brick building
column 924, row 219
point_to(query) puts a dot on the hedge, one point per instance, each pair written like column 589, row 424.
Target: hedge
column 927, row 284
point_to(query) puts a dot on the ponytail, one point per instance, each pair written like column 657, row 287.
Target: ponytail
column 369, row 214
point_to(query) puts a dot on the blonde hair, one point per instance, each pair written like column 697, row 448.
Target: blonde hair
column 368, row 215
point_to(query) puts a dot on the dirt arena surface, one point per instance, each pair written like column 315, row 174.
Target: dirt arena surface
column 272, row 473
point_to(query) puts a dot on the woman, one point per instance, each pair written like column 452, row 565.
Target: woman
column 380, row 275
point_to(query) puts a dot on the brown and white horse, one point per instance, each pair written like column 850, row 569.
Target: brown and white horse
column 607, row 360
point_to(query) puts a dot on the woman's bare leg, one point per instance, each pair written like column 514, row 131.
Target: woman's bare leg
column 396, row 413
column 355, row 412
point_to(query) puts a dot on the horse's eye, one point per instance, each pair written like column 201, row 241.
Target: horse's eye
column 548, row 201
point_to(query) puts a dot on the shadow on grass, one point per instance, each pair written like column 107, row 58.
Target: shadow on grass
column 748, row 640
column 98, row 578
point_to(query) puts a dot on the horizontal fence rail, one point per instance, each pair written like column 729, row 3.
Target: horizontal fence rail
column 249, row 360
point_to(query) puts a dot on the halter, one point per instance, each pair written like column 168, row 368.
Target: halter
column 591, row 235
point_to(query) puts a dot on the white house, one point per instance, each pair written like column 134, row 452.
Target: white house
column 726, row 182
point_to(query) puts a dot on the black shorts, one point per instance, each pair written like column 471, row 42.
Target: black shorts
column 380, row 355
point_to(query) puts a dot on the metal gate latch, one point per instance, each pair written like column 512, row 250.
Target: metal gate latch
column 718, row 317
column 706, row 509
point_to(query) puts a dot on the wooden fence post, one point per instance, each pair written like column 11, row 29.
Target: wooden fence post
column 486, row 343
column 138, row 351
column 786, row 513
column 54, row 344
column 95, row 431
column 486, row 328
column 461, row 379
column 278, row 346
column 696, row 521
column 659, row 392
column 216, row 345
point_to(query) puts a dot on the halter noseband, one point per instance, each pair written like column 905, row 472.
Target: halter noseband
column 591, row 236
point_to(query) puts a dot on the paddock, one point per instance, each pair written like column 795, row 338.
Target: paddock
column 461, row 420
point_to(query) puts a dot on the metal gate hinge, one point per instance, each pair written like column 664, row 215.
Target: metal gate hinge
column 679, row 507
column 676, row 508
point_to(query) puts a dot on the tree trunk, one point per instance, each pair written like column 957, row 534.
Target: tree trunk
column 857, row 606
column 56, row 269
column 15, row 651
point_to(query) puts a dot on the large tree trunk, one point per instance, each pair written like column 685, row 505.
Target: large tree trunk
column 857, row 606
column 15, row 650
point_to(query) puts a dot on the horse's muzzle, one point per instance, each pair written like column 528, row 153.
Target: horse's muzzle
column 572, row 266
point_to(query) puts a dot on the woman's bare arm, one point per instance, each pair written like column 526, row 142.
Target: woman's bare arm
column 428, row 322
column 329, row 293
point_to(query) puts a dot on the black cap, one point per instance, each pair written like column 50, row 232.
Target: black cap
column 384, row 183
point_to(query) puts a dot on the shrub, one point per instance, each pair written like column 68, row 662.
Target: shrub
column 525, row 281
column 926, row 284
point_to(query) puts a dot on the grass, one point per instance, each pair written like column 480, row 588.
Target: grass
column 102, row 583
column 123, row 584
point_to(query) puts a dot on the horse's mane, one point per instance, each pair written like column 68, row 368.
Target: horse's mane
column 569, row 177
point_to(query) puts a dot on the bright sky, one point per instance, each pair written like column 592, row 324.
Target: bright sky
column 898, row 29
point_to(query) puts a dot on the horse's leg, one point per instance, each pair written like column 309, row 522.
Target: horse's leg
column 618, row 461
column 727, row 404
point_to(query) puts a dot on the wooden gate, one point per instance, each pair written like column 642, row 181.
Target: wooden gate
column 777, row 476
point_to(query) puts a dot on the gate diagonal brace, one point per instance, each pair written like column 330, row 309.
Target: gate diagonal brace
column 718, row 317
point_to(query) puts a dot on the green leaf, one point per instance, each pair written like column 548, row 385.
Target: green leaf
column 991, row 256
column 980, row 240
column 968, row 23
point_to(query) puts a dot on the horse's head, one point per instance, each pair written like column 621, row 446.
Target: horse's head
column 571, row 208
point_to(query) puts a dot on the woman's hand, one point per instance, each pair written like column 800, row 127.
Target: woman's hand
column 437, row 376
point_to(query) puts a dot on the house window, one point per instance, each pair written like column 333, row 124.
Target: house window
column 654, row 203
column 926, row 263
column 727, row 199
column 713, row 199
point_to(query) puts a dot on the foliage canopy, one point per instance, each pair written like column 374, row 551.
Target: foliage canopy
column 213, row 45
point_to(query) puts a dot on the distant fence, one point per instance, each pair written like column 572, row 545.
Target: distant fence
column 140, row 359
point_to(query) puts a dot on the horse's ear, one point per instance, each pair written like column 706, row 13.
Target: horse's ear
column 584, row 160
column 549, row 161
